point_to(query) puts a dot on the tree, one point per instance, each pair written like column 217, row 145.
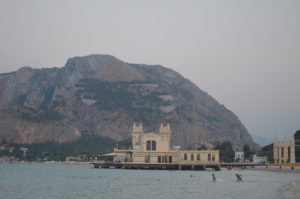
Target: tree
column 297, row 143
column 267, row 151
column 247, row 151
column 226, row 151
column 202, row 147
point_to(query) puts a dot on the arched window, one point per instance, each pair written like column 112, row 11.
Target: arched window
column 159, row 159
column 153, row 145
column 198, row 156
column 148, row 146
column 192, row 157
column 209, row 157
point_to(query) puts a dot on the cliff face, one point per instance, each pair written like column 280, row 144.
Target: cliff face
column 101, row 95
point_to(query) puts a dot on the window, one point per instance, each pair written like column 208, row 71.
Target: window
column 289, row 154
column 159, row 159
column 148, row 145
column 213, row 157
column 209, row 157
column 166, row 158
column 185, row 156
column 192, row 157
column 153, row 145
column 170, row 159
column 147, row 158
column 198, row 156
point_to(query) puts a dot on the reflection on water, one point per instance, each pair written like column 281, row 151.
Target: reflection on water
column 82, row 181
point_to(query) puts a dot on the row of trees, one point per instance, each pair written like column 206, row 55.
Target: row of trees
column 87, row 145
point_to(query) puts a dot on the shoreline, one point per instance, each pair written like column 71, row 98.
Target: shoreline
column 276, row 169
column 258, row 168
column 50, row 162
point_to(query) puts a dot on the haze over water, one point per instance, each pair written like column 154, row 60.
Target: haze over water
column 82, row 181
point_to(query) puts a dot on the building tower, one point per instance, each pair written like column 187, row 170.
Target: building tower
column 284, row 152
column 137, row 132
column 293, row 155
column 165, row 132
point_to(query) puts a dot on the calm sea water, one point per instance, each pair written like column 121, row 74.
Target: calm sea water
column 36, row 181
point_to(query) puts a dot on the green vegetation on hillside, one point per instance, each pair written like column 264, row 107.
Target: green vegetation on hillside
column 40, row 115
column 140, row 101
column 109, row 95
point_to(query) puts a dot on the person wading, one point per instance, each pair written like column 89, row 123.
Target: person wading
column 239, row 178
column 213, row 178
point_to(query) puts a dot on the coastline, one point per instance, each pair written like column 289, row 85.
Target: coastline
column 276, row 169
column 257, row 168
column 49, row 162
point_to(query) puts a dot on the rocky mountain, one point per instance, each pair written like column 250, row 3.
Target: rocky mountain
column 102, row 96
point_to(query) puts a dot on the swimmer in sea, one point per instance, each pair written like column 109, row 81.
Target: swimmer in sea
column 213, row 178
column 239, row 178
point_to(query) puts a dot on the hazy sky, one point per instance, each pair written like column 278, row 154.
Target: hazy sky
column 246, row 54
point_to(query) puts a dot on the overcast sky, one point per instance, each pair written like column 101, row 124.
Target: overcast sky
column 246, row 54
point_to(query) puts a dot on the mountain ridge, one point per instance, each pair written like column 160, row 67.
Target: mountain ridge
column 103, row 96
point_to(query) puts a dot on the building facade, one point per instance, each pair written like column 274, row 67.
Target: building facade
column 239, row 156
column 259, row 159
column 155, row 148
column 284, row 152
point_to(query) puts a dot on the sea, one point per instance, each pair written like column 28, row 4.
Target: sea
column 70, row 181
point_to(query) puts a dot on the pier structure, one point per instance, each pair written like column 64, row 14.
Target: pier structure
column 153, row 151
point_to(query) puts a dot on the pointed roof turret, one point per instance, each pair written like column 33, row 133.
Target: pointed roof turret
column 164, row 129
column 137, row 128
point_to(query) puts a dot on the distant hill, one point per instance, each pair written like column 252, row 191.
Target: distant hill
column 262, row 141
column 102, row 96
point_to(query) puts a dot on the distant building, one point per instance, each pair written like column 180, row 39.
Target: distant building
column 24, row 150
column 70, row 158
column 154, row 148
column 11, row 149
column 239, row 156
column 284, row 152
column 258, row 159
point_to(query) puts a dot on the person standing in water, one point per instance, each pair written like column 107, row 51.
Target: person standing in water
column 213, row 178
column 239, row 178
